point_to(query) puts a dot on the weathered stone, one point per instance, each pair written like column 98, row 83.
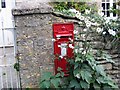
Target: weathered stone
column 112, row 72
column 107, row 66
column 97, row 44
column 36, row 7
column 102, row 62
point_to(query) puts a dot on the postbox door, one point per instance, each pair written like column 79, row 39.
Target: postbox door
column 62, row 49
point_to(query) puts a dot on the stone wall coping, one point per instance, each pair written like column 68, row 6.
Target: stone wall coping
column 31, row 8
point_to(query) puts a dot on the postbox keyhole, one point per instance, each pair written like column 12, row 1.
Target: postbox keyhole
column 63, row 28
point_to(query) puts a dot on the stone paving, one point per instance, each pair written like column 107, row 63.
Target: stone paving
column 8, row 75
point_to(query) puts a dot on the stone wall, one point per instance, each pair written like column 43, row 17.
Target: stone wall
column 35, row 46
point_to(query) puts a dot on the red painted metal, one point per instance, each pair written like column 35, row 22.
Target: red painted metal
column 62, row 32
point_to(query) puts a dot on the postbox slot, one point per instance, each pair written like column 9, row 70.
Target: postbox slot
column 63, row 35
column 66, row 37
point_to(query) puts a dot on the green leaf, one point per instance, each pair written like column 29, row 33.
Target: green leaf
column 74, row 83
column 76, row 71
column 57, row 75
column 41, row 85
column 112, row 84
column 84, row 84
column 86, row 67
column 106, row 87
column 62, row 74
column 46, row 84
column 96, row 86
column 55, row 82
column 100, row 80
column 92, row 64
column 107, row 78
column 76, row 65
column 78, row 59
column 59, row 69
column 46, row 76
column 108, row 58
column 90, row 57
column 100, row 70
column 86, row 75
column 17, row 66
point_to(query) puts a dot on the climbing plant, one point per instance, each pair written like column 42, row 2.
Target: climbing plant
column 81, row 5
column 84, row 70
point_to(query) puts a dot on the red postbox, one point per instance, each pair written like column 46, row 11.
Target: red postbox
column 63, row 45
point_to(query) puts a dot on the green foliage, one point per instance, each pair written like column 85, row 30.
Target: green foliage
column 48, row 80
column 116, row 10
column 17, row 66
column 108, row 58
column 81, row 6
column 74, row 84
column 85, row 74
column 91, row 74
column 84, row 84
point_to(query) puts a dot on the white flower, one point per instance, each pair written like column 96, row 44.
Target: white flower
column 85, row 29
column 95, row 24
column 58, row 38
column 70, row 46
column 61, row 56
column 99, row 30
column 88, row 24
column 93, row 19
column 78, row 76
column 53, row 40
column 76, row 50
column 70, row 39
column 75, row 31
column 76, row 38
column 81, row 18
column 78, row 15
column 80, row 49
column 84, row 52
column 87, row 11
column 112, row 32
column 107, row 21
column 101, row 8
column 100, row 13
column 86, row 20
column 77, row 12
column 104, row 33
column 73, row 10
column 79, row 22
column 59, row 45
column 83, row 36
